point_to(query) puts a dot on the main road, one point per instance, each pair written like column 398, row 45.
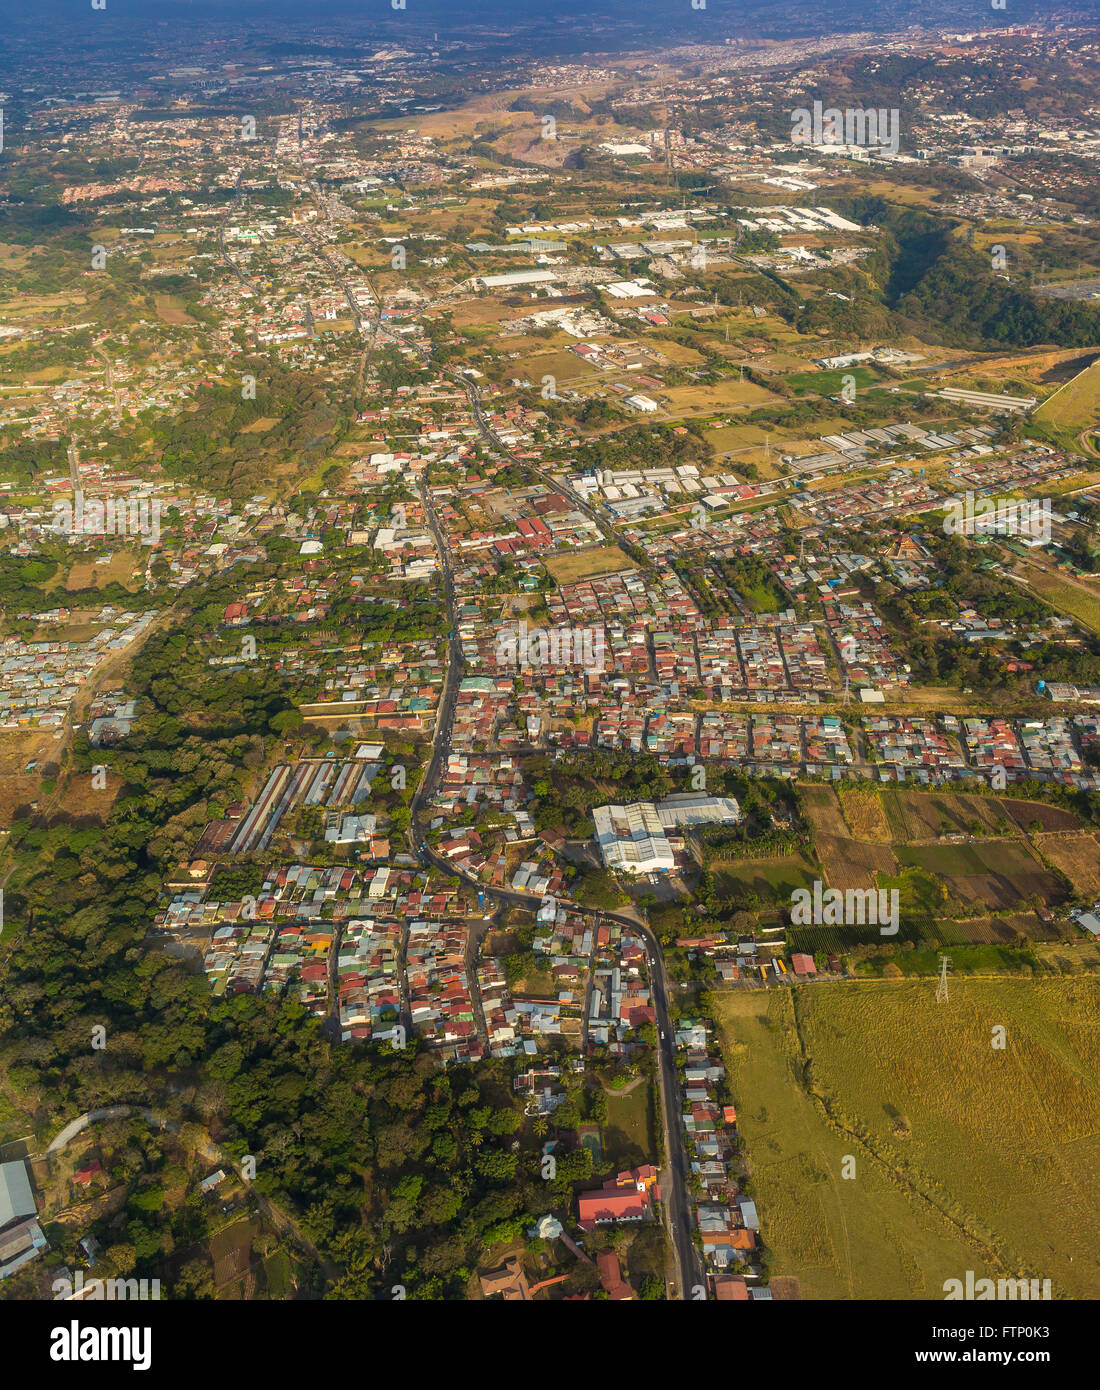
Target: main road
column 674, row 1191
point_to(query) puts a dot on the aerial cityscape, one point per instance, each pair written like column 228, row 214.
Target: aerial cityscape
column 549, row 656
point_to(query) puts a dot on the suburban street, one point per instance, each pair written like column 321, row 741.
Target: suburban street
column 675, row 1175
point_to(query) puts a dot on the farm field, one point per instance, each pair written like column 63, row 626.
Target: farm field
column 892, row 837
column 997, row 874
column 1063, row 592
column 852, row 863
column 232, row 1256
column 824, row 808
column 1078, row 857
column 863, row 814
column 966, row 1157
column 892, row 814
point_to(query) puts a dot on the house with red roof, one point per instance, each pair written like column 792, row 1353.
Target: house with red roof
column 628, row 1196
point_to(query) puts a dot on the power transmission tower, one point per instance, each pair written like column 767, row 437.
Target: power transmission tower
column 941, row 983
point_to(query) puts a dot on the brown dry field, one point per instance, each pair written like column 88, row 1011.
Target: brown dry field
column 679, row 353
column 824, row 810
column 583, row 564
column 79, row 800
column 562, row 366
column 1078, row 857
column 853, row 863
column 864, row 816
column 1022, row 813
column 87, row 576
column 723, row 395
column 171, row 310
column 17, row 792
column 477, row 313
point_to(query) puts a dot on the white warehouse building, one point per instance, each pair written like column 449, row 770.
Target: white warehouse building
column 634, row 839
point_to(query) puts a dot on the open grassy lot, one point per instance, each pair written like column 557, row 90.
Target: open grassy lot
column 773, row 880
column 1074, row 406
column 582, row 564
column 722, row 395
column 966, row 1157
column 119, row 570
column 564, row 367
column 1064, row 592
column 829, row 383
column 628, row 1136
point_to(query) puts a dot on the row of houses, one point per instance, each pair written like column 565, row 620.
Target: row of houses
column 726, row 1218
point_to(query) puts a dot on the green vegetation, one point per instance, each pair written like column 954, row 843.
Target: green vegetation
column 919, row 1098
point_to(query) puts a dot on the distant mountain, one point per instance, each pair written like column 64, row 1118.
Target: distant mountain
column 563, row 26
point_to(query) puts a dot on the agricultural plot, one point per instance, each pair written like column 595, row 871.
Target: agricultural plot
column 891, row 814
column 966, row 1156
column 892, row 837
column 231, row 1252
column 1006, row 928
column 853, row 863
column 564, row 367
column 1051, row 818
column 998, row 874
column 864, row 814
column 823, row 809
column 1078, row 857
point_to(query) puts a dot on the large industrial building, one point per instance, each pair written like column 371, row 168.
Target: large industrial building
column 634, row 839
